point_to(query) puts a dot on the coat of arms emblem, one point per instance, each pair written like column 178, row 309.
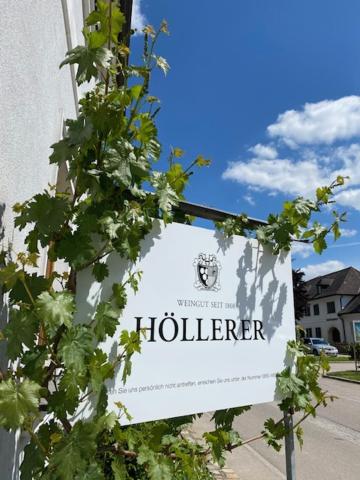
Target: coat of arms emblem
column 207, row 269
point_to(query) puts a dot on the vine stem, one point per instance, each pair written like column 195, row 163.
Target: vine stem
column 145, row 85
column 129, row 453
column 36, row 439
column 101, row 254
column 109, row 45
column 263, row 435
column 28, row 290
column 42, row 333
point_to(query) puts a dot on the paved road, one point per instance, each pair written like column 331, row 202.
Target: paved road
column 332, row 440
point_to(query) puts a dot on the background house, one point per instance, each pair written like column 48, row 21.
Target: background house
column 334, row 302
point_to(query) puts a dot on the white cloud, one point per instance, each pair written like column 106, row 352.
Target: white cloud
column 138, row 19
column 348, row 232
column 348, row 160
column 303, row 250
column 255, row 188
column 302, row 174
column 319, row 269
column 349, row 198
column 264, row 151
column 315, row 162
column 345, row 245
column 248, row 198
column 283, row 175
column 323, row 122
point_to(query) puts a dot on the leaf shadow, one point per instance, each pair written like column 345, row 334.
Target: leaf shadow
column 254, row 267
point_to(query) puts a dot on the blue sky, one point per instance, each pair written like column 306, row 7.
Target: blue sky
column 269, row 90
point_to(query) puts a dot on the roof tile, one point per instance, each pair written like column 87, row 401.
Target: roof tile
column 342, row 282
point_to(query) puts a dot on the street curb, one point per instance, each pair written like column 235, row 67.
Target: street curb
column 341, row 379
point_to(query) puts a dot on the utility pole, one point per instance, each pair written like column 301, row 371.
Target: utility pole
column 289, row 446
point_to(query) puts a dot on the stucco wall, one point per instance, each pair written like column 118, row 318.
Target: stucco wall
column 349, row 325
column 324, row 320
column 35, row 97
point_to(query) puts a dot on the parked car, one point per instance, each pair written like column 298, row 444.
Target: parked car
column 318, row 345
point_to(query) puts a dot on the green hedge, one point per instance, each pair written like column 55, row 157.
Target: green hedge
column 348, row 349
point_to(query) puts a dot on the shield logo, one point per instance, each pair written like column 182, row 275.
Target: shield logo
column 207, row 269
column 208, row 275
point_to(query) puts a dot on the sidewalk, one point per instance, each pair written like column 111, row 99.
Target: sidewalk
column 252, row 462
column 244, row 463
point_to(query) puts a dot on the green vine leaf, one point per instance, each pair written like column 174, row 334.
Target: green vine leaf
column 119, row 295
column 166, row 195
column 106, row 320
column 35, row 283
column 20, row 331
column 55, row 309
column 88, row 60
column 119, row 469
column 109, row 28
column 299, row 432
column 9, row 275
column 162, row 63
column 177, row 178
column 36, row 451
column 48, row 213
column 76, row 248
column 75, row 346
column 100, row 271
column 157, row 467
column 62, row 152
column 288, row 383
column 34, row 361
column 17, row 402
column 73, row 455
column 100, row 369
column 202, row 162
column 132, row 343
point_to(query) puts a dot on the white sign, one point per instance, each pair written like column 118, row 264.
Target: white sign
column 218, row 314
column 356, row 327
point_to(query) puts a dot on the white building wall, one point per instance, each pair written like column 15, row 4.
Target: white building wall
column 348, row 319
column 35, row 98
column 325, row 320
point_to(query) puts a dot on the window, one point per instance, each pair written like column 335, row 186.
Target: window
column 318, row 332
column 330, row 307
column 320, row 287
column 316, row 309
column 307, row 310
column 307, row 341
column 309, row 332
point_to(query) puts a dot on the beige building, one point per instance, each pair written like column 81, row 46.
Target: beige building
column 334, row 303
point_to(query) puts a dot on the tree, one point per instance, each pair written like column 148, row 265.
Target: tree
column 55, row 363
column 300, row 293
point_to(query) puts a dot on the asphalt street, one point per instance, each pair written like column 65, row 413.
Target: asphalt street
column 331, row 448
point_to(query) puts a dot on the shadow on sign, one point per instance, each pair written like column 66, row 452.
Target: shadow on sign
column 257, row 265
